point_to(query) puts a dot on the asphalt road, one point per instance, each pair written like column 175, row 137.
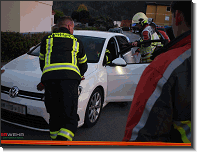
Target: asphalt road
column 131, row 36
column 110, row 127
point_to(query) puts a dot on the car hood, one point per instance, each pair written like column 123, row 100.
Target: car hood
column 24, row 63
column 25, row 73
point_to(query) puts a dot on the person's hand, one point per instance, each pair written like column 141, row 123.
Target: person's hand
column 40, row 86
column 134, row 44
column 83, row 78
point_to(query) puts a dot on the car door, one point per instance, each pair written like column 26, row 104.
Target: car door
column 122, row 80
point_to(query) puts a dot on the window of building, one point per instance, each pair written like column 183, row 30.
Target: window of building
column 168, row 9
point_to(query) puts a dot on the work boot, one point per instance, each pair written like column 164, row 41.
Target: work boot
column 61, row 138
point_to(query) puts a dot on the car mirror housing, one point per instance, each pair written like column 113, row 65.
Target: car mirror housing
column 119, row 62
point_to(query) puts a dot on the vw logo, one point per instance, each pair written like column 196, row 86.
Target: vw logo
column 13, row 92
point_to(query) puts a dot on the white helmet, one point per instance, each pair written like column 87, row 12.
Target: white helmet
column 140, row 18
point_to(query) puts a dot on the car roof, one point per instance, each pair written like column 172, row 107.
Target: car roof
column 101, row 34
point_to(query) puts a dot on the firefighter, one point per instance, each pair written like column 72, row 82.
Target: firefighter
column 147, row 33
column 63, row 63
column 161, row 107
column 162, row 34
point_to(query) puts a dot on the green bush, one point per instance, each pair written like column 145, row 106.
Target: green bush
column 14, row 44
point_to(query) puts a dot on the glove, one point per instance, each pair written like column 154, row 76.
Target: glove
column 83, row 78
column 40, row 86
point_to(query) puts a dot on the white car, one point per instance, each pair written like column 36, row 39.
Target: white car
column 22, row 104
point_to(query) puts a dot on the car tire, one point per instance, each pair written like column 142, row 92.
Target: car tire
column 94, row 108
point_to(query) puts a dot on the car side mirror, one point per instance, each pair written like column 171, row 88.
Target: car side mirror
column 31, row 48
column 118, row 62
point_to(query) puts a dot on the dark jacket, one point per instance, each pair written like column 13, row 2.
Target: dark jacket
column 163, row 95
column 62, row 56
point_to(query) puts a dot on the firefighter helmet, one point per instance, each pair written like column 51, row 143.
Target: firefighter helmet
column 140, row 18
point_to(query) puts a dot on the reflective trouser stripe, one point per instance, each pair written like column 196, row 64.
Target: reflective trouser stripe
column 83, row 59
column 53, row 135
column 66, row 133
column 41, row 56
column 58, row 66
column 184, row 128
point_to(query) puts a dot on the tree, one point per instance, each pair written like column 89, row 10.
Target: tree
column 107, row 22
column 57, row 15
column 75, row 15
column 81, row 8
column 84, row 15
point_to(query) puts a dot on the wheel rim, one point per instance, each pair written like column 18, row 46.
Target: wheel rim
column 94, row 107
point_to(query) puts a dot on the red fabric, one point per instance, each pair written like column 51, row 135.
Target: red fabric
column 145, row 34
column 164, row 35
column 148, row 82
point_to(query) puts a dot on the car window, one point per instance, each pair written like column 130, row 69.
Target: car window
column 122, row 42
column 112, row 47
column 92, row 45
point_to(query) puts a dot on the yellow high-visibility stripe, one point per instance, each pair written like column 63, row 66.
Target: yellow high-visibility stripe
column 66, row 130
column 66, row 133
column 83, row 59
column 61, row 68
column 107, row 51
column 74, row 52
column 50, row 50
column 53, row 135
column 41, row 56
column 49, row 44
column 182, row 131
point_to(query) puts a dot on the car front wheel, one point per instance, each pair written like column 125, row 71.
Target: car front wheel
column 94, row 108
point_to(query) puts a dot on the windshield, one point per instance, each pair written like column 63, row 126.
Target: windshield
column 92, row 45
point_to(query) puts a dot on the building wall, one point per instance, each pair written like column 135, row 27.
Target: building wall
column 35, row 16
column 26, row 16
column 10, row 16
column 159, row 14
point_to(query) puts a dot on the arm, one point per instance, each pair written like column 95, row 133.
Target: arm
column 150, row 116
column 82, row 59
column 145, row 36
column 42, row 53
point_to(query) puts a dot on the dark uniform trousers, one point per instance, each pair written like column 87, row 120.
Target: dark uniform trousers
column 61, row 101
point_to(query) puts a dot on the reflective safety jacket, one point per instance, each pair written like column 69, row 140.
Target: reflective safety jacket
column 62, row 56
column 161, row 107
column 147, row 49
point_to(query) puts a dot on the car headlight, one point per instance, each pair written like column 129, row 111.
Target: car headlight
column 79, row 90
